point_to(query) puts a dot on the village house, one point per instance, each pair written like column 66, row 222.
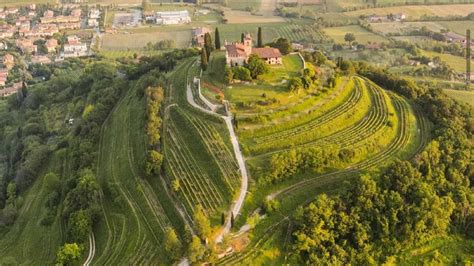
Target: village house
column 297, row 46
column 51, row 45
column 40, row 59
column 93, row 18
column 173, row 17
column 198, row 35
column 149, row 16
column 76, row 12
column 94, row 13
column 8, row 61
column 11, row 10
column 41, row 30
column 237, row 54
column 11, row 90
column 74, row 47
column 7, row 31
column 26, row 45
column 92, row 22
column 376, row 18
column 3, row 76
column 398, row 17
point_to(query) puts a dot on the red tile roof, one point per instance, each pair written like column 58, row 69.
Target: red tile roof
column 266, row 52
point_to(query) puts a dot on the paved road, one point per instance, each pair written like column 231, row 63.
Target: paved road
column 238, row 155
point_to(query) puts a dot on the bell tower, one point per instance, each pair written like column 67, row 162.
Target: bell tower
column 248, row 40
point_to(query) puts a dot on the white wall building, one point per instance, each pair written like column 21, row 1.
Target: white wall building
column 173, row 17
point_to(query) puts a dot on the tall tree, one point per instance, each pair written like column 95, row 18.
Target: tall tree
column 204, row 61
column 217, row 39
column 349, row 38
column 196, row 250
column 208, row 44
column 242, row 37
column 203, row 226
column 172, row 244
column 259, row 38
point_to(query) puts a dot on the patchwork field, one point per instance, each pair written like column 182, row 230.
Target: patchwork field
column 362, row 35
column 417, row 11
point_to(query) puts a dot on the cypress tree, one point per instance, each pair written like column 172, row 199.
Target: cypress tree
column 204, row 61
column 222, row 218
column 208, row 44
column 232, row 220
column 242, row 37
column 217, row 39
column 259, row 38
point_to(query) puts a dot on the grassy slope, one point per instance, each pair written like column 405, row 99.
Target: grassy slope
column 462, row 96
column 131, row 230
column 458, row 63
column 27, row 241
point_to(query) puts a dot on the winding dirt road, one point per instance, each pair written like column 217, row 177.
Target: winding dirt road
column 237, row 206
column 91, row 250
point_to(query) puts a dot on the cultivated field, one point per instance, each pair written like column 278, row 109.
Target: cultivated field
column 138, row 40
column 362, row 35
column 418, row 11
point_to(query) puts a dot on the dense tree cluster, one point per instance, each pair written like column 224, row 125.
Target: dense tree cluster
column 282, row 44
column 307, row 81
column 287, row 164
column 412, row 202
column 154, row 99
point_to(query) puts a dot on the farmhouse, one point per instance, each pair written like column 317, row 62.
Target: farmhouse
column 237, row 54
column 173, row 17
column 271, row 55
column 198, row 35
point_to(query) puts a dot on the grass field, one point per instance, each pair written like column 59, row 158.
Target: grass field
column 462, row 96
column 115, row 54
column 24, row 2
column 138, row 40
column 458, row 27
column 246, row 97
column 456, row 62
column 362, row 35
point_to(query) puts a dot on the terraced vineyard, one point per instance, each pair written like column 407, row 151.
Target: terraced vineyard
column 197, row 154
column 378, row 125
